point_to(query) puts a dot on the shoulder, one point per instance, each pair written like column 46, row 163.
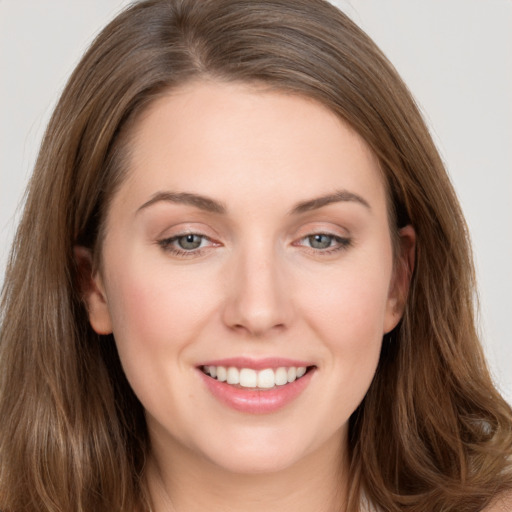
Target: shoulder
column 502, row 503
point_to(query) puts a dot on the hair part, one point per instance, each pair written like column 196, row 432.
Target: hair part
column 432, row 432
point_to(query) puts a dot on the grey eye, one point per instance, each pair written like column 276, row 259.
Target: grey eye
column 190, row 242
column 320, row 241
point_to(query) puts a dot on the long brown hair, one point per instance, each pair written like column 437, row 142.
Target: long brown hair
column 432, row 433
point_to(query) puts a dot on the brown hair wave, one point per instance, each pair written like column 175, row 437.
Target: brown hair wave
column 432, row 434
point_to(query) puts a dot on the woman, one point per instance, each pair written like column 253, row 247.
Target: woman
column 250, row 285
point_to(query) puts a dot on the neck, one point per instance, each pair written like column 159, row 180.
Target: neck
column 317, row 483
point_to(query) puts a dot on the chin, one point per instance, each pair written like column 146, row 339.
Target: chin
column 245, row 464
column 259, row 452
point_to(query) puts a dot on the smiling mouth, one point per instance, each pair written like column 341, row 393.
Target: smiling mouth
column 265, row 379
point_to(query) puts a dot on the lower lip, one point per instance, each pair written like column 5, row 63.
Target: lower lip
column 255, row 401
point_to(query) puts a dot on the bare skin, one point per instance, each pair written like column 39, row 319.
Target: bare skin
column 312, row 484
column 252, row 225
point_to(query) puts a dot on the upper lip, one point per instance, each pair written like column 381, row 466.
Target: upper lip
column 257, row 364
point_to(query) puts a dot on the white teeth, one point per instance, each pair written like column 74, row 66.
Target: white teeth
column 281, row 376
column 266, row 379
column 301, row 370
column 249, row 378
column 221, row 373
column 233, row 376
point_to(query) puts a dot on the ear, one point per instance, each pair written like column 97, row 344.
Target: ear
column 93, row 291
column 401, row 280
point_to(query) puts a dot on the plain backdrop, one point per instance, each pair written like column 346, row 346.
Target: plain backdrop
column 455, row 56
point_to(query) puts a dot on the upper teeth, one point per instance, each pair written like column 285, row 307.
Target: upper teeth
column 249, row 378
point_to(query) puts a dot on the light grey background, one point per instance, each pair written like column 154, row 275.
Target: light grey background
column 455, row 55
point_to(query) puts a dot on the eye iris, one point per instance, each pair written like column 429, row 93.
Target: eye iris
column 320, row 241
column 189, row 242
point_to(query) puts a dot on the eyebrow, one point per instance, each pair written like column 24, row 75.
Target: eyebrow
column 201, row 202
column 211, row 205
column 337, row 197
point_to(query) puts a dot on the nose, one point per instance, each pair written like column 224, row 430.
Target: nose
column 258, row 299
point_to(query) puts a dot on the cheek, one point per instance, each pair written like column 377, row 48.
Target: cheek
column 156, row 316
column 351, row 305
column 355, row 335
column 348, row 312
column 151, row 305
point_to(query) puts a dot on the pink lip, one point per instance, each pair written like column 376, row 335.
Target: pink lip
column 255, row 401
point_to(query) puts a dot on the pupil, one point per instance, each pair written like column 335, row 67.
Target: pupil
column 320, row 241
column 190, row 242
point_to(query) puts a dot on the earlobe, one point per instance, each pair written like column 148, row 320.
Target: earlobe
column 92, row 289
column 402, row 275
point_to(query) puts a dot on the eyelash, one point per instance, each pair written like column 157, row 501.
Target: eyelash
column 342, row 244
column 167, row 244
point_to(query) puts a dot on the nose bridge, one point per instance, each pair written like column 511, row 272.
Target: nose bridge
column 258, row 301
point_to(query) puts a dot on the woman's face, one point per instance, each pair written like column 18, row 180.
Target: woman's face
column 250, row 240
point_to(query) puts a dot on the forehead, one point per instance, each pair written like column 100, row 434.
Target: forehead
column 244, row 141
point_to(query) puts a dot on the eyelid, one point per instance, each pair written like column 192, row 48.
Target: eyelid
column 342, row 242
column 340, row 235
column 182, row 228
column 166, row 244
